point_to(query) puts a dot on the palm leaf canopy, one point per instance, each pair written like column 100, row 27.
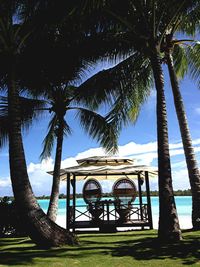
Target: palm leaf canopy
column 54, row 50
column 144, row 20
column 65, row 99
column 98, row 128
column 186, row 49
column 125, row 87
column 140, row 24
column 181, row 64
column 194, row 61
column 189, row 22
column 29, row 111
column 187, row 60
column 186, row 24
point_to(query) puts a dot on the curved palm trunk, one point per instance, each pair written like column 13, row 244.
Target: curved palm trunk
column 40, row 228
column 169, row 229
column 53, row 204
column 193, row 170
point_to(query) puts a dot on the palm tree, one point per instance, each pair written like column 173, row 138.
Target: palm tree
column 62, row 100
column 192, row 165
column 17, row 51
column 126, row 107
column 14, row 33
column 140, row 27
column 189, row 19
column 171, row 46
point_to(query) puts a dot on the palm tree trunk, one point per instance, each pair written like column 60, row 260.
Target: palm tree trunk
column 169, row 229
column 40, row 228
column 193, row 170
column 53, row 204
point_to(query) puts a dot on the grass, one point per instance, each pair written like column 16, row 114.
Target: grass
column 122, row 249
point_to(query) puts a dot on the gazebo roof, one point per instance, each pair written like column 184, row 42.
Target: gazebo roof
column 105, row 168
column 103, row 160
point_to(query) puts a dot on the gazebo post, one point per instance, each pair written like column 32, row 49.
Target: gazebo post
column 140, row 197
column 74, row 201
column 68, row 202
column 148, row 200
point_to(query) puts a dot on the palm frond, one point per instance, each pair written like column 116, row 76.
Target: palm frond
column 194, row 61
column 125, row 87
column 127, row 107
column 180, row 60
column 189, row 23
column 66, row 129
column 29, row 110
column 98, row 128
column 119, row 114
column 48, row 141
column 4, row 128
column 107, row 85
column 4, row 122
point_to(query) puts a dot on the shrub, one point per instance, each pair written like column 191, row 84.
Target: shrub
column 10, row 223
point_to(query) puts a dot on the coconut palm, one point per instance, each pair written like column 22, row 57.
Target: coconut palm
column 143, row 25
column 62, row 100
column 127, row 107
column 192, row 165
column 189, row 20
column 17, row 51
column 15, row 31
column 177, row 47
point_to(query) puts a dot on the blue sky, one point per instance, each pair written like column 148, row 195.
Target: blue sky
column 135, row 141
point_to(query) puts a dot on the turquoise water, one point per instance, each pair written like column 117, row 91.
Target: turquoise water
column 184, row 205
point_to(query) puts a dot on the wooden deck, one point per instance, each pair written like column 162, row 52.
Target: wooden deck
column 113, row 223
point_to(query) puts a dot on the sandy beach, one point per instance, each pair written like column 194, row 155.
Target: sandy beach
column 185, row 222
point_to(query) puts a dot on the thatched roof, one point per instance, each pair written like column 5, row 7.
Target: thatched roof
column 106, row 168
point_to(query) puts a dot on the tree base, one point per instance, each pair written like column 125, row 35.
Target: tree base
column 169, row 237
column 46, row 233
column 196, row 228
column 196, row 224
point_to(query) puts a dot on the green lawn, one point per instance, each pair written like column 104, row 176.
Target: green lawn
column 134, row 248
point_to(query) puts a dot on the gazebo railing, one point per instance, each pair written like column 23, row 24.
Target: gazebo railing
column 136, row 213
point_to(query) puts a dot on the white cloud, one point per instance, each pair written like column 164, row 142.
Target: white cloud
column 133, row 148
column 69, row 162
column 5, row 186
column 143, row 153
column 146, row 158
column 91, row 152
column 4, row 182
column 180, row 179
column 196, row 141
column 45, row 165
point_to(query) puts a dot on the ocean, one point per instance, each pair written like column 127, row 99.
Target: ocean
column 183, row 204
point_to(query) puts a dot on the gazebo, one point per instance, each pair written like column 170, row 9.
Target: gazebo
column 121, row 210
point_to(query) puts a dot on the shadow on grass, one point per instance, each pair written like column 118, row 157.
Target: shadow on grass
column 22, row 251
column 188, row 250
column 106, row 235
